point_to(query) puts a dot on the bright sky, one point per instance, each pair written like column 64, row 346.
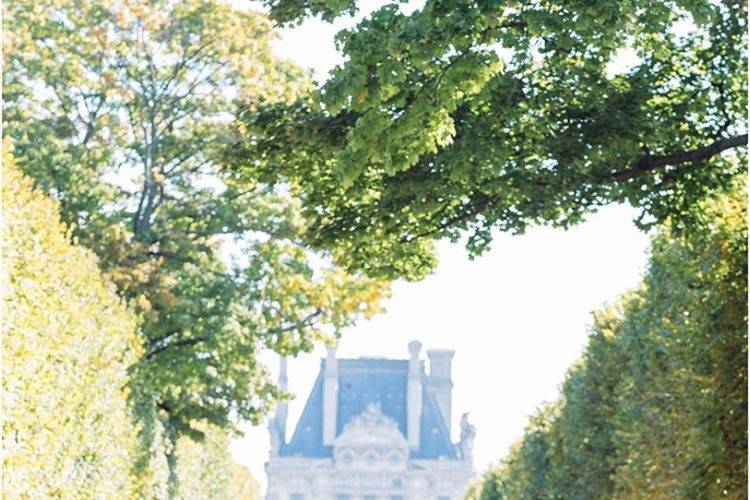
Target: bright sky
column 517, row 317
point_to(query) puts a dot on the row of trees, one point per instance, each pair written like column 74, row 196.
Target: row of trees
column 68, row 428
column 657, row 405
column 118, row 111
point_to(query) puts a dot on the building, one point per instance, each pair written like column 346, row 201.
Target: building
column 373, row 429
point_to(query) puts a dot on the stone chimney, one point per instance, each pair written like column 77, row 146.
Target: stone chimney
column 330, row 396
column 440, row 380
column 277, row 425
column 414, row 395
column 283, row 408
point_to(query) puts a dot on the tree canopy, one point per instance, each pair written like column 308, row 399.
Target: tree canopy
column 118, row 110
column 657, row 405
column 458, row 118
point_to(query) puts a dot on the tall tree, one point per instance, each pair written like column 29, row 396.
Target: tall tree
column 463, row 117
column 117, row 109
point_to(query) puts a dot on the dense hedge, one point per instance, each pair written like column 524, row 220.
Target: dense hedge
column 71, row 421
column 657, row 405
column 67, row 343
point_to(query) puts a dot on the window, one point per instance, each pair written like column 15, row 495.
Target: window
column 296, row 496
column 343, row 497
column 443, row 498
column 397, row 497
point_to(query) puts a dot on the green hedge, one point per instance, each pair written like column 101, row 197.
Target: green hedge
column 67, row 343
column 71, row 427
column 657, row 405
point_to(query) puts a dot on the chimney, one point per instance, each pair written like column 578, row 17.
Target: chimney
column 414, row 395
column 330, row 396
column 281, row 410
column 277, row 425
column 440, row 380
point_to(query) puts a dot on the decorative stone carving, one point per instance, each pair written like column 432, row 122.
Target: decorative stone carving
column 468, row 432
column 371, row 418
column 371, row 439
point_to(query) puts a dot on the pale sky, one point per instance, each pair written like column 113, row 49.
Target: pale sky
column 517, row 317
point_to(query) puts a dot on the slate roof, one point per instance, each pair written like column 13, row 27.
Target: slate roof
column 363, row 381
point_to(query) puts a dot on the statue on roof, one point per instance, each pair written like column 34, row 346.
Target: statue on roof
column 468, row 432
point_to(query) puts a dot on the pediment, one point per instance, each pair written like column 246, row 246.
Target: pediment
column 371, row 429
column 371, row 439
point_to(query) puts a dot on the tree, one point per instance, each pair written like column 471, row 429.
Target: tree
column 463, row 117
column 657, row 405
column 67, row 343
column 118, row 110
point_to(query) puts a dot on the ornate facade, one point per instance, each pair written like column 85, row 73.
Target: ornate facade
column 372, row 429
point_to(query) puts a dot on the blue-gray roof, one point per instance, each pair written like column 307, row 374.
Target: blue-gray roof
column 364, row 381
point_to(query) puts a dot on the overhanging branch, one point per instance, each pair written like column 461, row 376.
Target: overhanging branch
column 649, row 163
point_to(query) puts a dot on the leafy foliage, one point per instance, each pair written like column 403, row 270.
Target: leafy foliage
column 67, row 343
column 118, row 110
column 461, row 117
column 68, row 427
column 206, row 469
column 657, row 406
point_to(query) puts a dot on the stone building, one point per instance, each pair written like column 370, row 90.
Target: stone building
column 373, row 429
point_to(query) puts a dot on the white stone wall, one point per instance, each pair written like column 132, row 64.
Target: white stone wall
column 320, row 479
column 370, row 461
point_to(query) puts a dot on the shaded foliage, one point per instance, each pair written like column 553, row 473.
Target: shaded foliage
column 657, row 405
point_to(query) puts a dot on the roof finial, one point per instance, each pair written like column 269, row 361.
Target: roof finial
column 414, row 347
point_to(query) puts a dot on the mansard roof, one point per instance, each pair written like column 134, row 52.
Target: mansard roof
column 361, row 382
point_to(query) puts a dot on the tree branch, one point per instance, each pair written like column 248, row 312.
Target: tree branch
column 299, row 324
column 179, row 343
column 650, row 163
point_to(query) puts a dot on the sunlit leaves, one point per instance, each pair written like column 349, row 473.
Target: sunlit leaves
column 120, row 111
column 458, row 118
column 67, row 344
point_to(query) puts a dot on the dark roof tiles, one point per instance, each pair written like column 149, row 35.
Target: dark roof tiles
column 363, row 381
